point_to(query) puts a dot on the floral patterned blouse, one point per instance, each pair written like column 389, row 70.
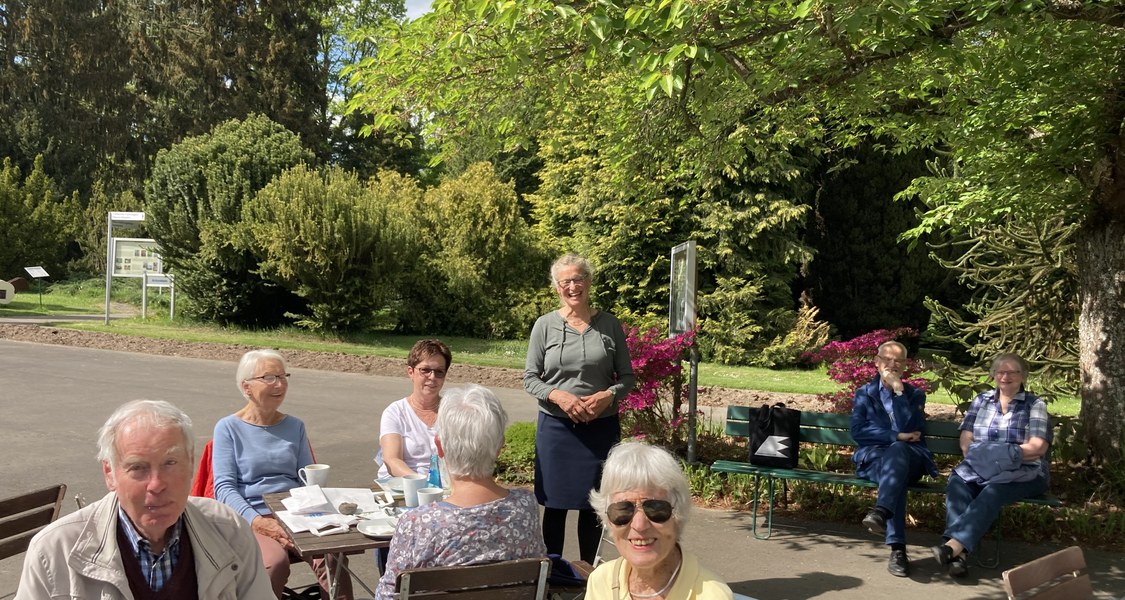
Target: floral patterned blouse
column 442, row 534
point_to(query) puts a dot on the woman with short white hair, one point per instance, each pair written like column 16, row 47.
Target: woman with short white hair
column 480, row 521
column 257, row 451
column 645, row 502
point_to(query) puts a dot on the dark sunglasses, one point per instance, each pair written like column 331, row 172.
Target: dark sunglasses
column 621, row 513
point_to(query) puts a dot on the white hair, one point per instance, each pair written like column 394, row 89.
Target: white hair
column 250, row 362
column 634, row 465
column 571, row 260
column 470, row 425
column 1009, row 357
column 156, row 414
column 894, row 343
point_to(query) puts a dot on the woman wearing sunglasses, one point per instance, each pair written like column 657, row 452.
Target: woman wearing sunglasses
column 644, row 501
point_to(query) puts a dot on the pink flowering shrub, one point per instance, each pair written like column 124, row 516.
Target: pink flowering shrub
column 654, row 410
column 852, row 364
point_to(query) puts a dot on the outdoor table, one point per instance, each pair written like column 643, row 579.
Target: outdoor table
column 311, row 546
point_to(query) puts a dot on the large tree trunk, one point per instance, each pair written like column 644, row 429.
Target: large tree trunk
column 1101, row 337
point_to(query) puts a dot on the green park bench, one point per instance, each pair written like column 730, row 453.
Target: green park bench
column 834, row 429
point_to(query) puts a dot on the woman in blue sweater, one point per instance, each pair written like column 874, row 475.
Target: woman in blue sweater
column 257, row 451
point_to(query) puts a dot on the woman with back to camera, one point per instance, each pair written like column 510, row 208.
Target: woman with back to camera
column 481, row 521
column 578, row 368
column 257, row 451
column 645, row 502
column 1005, row 437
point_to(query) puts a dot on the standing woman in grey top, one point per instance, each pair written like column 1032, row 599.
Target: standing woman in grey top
column 578, row 369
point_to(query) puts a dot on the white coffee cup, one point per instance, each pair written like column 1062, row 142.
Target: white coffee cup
column 314, row 474
column 410, row 486
column 427, row 495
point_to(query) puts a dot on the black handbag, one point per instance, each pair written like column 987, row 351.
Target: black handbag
column 775, row 436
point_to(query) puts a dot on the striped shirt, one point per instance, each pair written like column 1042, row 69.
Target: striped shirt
column 157, row 570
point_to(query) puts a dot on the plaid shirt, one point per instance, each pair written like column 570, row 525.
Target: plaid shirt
column 1026, row 418
column 157, row 570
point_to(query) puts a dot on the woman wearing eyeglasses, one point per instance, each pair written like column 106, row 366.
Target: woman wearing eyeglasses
column 257, row 451
column 645, row 502
column 481, row 521
column 406, row 429
column 578, row 368
column 1005, row 437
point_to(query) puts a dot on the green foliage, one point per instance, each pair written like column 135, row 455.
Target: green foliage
column 194, row 202
column 863, row 277
column 328, row 239
column 516, row 463
column 470, row 262
column 1024, row 299
column 805, row 335
column 38, row 222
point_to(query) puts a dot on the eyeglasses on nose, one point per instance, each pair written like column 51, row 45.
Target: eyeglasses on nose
column 573, row 281
column 426, row 372
column 621, row 513
column 272, row 379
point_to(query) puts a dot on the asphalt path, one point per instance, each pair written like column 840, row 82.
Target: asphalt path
column 54, row 398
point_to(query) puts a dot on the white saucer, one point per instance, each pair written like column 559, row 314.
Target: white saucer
column 378, row 527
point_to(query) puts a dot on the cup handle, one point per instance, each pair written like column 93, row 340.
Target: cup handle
column 301, row 475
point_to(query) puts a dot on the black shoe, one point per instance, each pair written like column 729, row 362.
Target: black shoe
column 943, row 554
column 899, row 565
column 958, row 566
column 875, row 522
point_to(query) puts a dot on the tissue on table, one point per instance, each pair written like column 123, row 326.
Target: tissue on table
column 307, row 500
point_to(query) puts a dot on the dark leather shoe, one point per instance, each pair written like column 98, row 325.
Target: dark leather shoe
column 958, row 566
column 943, row 554
column 899, row 565
column 875, row 522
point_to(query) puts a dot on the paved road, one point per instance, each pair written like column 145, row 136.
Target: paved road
column 53, row 398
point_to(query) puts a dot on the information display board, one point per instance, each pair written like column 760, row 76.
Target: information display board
column 133, row 257
column 681, row 301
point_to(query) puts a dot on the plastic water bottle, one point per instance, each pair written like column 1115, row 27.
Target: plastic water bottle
column 435, row 472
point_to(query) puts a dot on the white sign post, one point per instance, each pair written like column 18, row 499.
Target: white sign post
column 681, row 319
column 38, row 274
column 159, row 282
column 131, row 257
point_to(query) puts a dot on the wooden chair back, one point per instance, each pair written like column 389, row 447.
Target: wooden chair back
column 523, row 579
column 1058, row 576
column 22, row 516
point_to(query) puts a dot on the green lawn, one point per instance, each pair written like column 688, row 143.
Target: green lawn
column 88, row 297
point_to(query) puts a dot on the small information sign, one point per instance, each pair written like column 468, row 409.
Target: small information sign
column 127, row 216
column 36, row 272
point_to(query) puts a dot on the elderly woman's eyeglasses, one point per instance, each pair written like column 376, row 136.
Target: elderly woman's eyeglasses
column 621, row 513
column 573, row 281
column 271, row 379
column 426, row 372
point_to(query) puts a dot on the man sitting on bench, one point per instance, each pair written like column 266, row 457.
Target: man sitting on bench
column 887, row 422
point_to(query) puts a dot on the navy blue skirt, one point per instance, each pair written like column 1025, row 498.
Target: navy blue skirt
column 569, row 458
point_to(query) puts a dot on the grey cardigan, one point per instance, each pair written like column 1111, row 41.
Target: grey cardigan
column 558, row 357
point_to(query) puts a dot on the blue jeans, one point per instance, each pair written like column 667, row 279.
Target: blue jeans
column 971, row 508
column 894, row 468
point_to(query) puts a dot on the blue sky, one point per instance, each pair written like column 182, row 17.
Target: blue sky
column 415, row 8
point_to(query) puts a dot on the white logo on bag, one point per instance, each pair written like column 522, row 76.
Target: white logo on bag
column 775, row 445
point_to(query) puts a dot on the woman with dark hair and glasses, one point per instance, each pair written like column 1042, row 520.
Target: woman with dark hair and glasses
column 645, row 502
column 481, row 521
column 578, row 368
column 406, row 429
column 257, row 451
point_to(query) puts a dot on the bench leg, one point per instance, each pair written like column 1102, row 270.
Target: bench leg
column 769, row 509
column 993, row 561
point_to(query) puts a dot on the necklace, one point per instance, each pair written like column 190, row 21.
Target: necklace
column 666, row 587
